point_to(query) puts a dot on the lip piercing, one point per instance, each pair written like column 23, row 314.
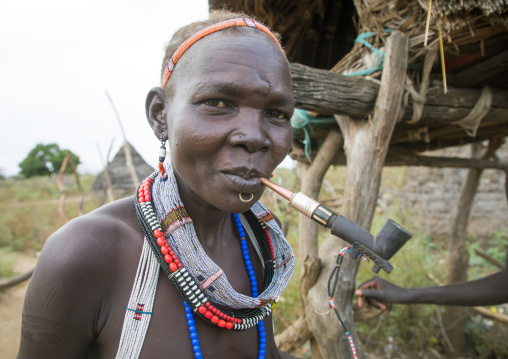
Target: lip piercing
column 246, row 200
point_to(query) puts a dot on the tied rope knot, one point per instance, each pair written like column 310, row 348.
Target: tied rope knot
column 300, row 120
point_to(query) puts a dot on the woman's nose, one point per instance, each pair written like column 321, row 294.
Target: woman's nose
column 250, row 132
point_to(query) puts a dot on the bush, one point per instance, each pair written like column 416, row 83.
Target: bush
column 44, row 160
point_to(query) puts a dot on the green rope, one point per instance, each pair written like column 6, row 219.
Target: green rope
column 361, row 40
column 301, row 120
column 365, row 72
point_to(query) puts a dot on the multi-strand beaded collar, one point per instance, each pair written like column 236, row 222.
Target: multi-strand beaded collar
column 200, row 282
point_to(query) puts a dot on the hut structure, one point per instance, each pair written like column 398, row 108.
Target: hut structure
column 119, row 176
column 379, row 83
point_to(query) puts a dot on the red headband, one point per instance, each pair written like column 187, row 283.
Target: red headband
column 207, row 31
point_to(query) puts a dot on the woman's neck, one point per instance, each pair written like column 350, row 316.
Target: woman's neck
column 213, row 226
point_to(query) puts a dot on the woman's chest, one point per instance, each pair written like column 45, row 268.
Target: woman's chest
column 168, row 331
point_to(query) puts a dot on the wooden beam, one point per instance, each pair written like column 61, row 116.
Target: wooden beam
column 329, row 93
column 444, row 162
column 399, row 159
column 479, row 73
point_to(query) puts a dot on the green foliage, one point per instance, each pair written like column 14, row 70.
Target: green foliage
column 44, row 160
column 29, row 210
column 7, row 262
column 497, row 246
column 487, row 338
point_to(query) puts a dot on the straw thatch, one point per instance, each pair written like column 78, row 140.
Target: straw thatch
column 454, row 93
column 119, row 173
column 471, row 27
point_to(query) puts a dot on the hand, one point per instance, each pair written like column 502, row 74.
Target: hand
column 375, row 291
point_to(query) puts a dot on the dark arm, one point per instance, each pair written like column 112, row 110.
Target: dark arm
column 489, row 290
column 62, row 304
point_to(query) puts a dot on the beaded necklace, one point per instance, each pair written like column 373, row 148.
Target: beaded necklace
column 201, row 283
column 254, row 291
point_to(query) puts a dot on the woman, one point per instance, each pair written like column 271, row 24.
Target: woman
column 224, row 107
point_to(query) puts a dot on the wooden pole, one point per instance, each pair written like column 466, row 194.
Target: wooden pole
column 59, row 181
column 109, row 187
column 61, row 202
column 126, row 148
column 80, row 189
column 366, row 144
column 308, row 229
column 454, row 317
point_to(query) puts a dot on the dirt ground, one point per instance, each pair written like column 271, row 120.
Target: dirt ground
column 11, row 307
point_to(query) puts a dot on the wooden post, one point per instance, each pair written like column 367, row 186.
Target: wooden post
column 80, row 189
column 366, row 145
column 59, row 181
column 307, row 228
column 126, row 148
column 312, row 180
column 109, row 187
column 454, row 318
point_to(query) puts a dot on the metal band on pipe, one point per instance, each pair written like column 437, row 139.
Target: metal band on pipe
column 304, row 204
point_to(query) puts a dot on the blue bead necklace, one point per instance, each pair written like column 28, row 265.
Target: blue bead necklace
column 254, row 289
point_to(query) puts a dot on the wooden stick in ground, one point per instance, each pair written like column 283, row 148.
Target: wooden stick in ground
column 308, row 229
column 76, row 177
column 59, row 179
column 109, row 190
column 126, row 149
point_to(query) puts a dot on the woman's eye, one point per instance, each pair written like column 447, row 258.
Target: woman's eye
column 276, row 114
column 216, row 103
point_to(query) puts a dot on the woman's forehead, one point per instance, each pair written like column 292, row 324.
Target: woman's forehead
column 241, row 52
column 233, row 41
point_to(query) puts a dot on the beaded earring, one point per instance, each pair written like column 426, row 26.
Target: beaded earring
column 162, row 157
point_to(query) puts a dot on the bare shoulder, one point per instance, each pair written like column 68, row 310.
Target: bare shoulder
column 69, row 296
column 95, row 238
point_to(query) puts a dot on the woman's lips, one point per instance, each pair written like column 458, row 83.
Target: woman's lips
column 245, row 185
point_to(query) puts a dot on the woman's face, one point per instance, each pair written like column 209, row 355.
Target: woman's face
column 229, row 117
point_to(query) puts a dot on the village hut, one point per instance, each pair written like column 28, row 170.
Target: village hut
column 380, row 83
column 117, row 175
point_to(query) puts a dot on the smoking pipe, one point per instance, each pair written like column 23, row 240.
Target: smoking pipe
column 388, row 241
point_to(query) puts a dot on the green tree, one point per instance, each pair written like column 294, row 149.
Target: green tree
column 44, row 160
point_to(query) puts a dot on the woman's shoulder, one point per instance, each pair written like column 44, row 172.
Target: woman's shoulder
column 81, row 268
column 95, row 238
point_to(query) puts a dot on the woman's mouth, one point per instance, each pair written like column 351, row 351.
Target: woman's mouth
column 244, row 180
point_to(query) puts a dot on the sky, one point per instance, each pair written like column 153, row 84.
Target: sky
column 58, row 59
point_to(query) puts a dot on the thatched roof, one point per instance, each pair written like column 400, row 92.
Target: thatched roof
column 119, row 172
column 321, row 34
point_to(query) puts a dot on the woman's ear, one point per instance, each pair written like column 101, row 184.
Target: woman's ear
column 155, row 105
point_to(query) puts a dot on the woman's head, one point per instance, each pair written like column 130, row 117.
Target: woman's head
column 226, row 116
column 186, row 32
